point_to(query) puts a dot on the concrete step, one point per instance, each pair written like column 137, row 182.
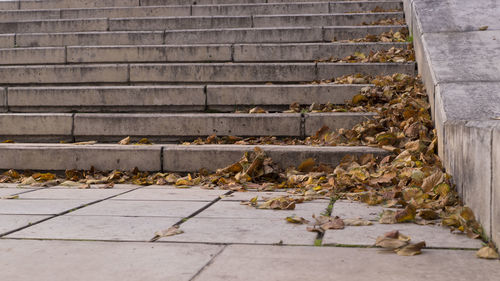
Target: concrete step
column 194, row 36
column 191, row 22
column 166, row 127
column 48, row 4
column 188, row 53
column 171, row 158
column 193, row 72
column 199, row 10
column 185, row 98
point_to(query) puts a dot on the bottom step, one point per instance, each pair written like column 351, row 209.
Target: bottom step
column 171, row 158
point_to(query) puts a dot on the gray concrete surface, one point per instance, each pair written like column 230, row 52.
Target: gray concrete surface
column 463, row 92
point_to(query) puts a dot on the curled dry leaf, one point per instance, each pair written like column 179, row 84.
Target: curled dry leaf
column 173, row 230
column 487, row 252
column 357, row 222
column 9, row 197
column 84, row 143
column 411, row 249
column 297, row 220
column 125, row 141
column 400, row 243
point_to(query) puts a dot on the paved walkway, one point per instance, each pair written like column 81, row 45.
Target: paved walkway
column 104, row 234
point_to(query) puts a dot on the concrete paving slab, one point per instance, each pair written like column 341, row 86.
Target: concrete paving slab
column 11, row 222
column 82, row 260
column 260, row 9
column 57, row 25
column 252, row 231
column 32, row 56
column 109, row 228
column 334, row 33
column 38, row 207
column 243, row 35
column 89, row 38
column 59, row 157
column 7, row 40
column 106, row 98
column 40, row 4
column 276, row 263
column 28, row 15
column 228, row 209
column 351, row 210
column 122, row 187
column 126, row 12
column 456, row 15
column 434, row 236
column 64, row 194
column 231, row 97
column 140, row 208
column 171, row 193
column 170, row 23
column 35, row 124
column 12, row 190
column 476, row 52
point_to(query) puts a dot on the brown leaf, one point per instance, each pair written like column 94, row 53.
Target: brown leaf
column 9, row 197
column 406, row 215
column 306, row 165
column 432, row 180
column 125, row 141
column 357, row 222
column 388, row 217
column 173, row 230
column 411, row 249
column 487, row 252
column 333, row 223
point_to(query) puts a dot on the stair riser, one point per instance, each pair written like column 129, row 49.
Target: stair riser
column 172, row 99
column 168, row 158
column 166, row 127
column 198, row 10
column 194, row 73
column 49, row 4
column 206, row 36
column 172, row 23
column 194, row 53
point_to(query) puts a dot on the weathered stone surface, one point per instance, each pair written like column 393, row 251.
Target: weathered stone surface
column 235, row 230
column 38, row 207
column 334, row 121
column 105, row 98
column 45, row 4
column 260, row 9
column 232, row 97
column 26, row 15
column 326, row 263
column 476, row 50
column 321, row 19
column 55, row 260
column 195, row 53
column 495, row 195
column 456, row 16
column 81, row 157
column 24, row 125
column 12, row 222
column 126, row 12
column 88, row 38
column 3, row 100
column 7, row 40
column 108, row 228
column 54, row 26
column 212, row 157
column 305, row 51
column 353, row 210
column 63, row 74
column 363, row 6
column 140, row 208
column 220, row 72
column 332, row 70
column 32, row 56
column 179, row 23
column 434, row 236
column 334, row 33
column 226, row 209
column 9, row 5
column 175, row 126
column 171, row 193
column 8, row 191
column 244, row 35
column 65, row 194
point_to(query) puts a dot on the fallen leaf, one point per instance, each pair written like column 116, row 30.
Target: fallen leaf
column 297, row 220
column 487, row 252
column 483, row 28
column 70, row 184
column 432, row 180
column 173, row 230
column 406, row 215
column 411, row 249
column 357, row 222
column 306, row 165
column 10, row 197
column 388, row 217
column 125, row 141
column 85, row 143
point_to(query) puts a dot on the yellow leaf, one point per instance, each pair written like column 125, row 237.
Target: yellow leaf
column 487, row 253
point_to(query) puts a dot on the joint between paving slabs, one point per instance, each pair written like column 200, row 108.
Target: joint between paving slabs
column 66, row 212
column 208, row 263
column 73, row 139
column 161, row 158
column 328, row 212
column 195, row 213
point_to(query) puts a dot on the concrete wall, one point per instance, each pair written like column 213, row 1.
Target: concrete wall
column 457, row 45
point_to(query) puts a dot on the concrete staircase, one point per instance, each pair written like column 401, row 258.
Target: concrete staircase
column 103, row 70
